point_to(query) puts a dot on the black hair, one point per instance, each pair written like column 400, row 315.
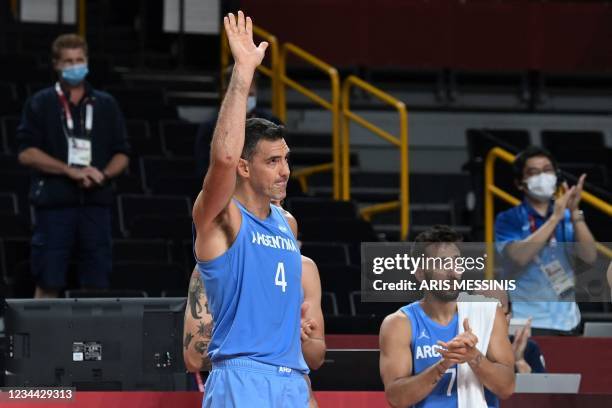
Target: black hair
column 532, row 151
column 259, row 129
column 436, row 234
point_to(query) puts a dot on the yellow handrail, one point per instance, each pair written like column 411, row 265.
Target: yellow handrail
column 82, row 23
column 269, row 71
column 401, row 143
column 333, row 106
column 14, row 9
column 492, row 191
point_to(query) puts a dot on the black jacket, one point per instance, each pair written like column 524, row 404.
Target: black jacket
column 42, row 127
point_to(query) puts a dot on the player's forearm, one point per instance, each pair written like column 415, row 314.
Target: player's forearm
column 523, row 252
column 41, row 161
column 228, row 137
column 410, row 390
column 314, row 352
column 116, row 166
column 497, row 377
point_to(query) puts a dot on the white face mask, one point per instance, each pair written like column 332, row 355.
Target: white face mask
column 542, row 187
column 251, row 103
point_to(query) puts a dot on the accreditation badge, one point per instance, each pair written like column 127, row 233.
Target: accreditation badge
column 79, row 152
column 560, row 280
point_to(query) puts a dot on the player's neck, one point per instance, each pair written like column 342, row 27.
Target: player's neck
column 258, row 206
column 438, row 310
column 75, row 92
column 541, row 207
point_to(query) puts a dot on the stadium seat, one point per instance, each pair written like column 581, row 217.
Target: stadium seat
column 9, row 205
column 336, row 230
column 329, row 304
column 141, row 250
column 8, row 132
column 170, row 176
column 311, row 207
column 326, row 252
column 380, row 309
column 178, row 137
column 142, row 142
column 341, row 280
column 150, row 277
column 154, row 217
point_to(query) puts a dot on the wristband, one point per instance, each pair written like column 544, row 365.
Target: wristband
column 577, row 216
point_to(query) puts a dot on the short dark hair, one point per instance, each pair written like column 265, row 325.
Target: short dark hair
column 436, row 234
column 67, row 41
column 532, row 151
column 259, row 129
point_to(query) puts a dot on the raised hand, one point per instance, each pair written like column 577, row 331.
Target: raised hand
column 562, row 202
column 574, row 200
column 462, row 348
column 240, row 36
column 520, row 341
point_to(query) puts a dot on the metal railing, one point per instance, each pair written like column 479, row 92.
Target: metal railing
column 269, row 71
column 400, row 142
column 492, row 191
column 333, row 106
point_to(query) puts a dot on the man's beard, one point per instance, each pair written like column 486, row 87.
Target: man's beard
column 446, row 295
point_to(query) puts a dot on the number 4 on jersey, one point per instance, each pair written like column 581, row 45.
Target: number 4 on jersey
column 279, row 280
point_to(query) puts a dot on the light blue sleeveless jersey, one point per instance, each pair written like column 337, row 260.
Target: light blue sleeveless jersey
column 255, row 293
column 424, row 347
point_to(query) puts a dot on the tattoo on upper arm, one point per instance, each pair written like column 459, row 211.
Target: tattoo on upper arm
column 195, row 291
column 201, row 347
column 205, row 330
column 187, row 341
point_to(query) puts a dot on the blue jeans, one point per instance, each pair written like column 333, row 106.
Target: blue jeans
column 57, row 231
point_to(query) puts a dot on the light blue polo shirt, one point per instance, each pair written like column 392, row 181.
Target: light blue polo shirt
column 514, row 225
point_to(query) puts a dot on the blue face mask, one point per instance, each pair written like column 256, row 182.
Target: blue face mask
column 75, row 74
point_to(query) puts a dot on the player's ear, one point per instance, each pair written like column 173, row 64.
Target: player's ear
column 420, row 274
column 243, row 168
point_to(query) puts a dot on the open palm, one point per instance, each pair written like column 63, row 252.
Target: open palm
column 240, row 36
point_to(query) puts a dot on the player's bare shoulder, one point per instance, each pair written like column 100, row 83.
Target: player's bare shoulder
column 396, row 324
column 291, row 221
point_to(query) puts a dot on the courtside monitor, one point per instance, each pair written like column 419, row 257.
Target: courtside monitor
column 96, row 344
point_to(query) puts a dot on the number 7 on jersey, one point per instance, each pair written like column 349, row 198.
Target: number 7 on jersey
column 279, row 280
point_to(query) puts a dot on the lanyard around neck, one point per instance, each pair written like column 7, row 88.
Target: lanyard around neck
column 68, row 114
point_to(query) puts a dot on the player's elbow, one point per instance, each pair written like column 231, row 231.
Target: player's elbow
column 224, row 160
column 394, row 400
column 191, row 364
column 507, row 390
column 317, row 362
column 25, row 157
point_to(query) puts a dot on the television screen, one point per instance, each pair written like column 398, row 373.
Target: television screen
column 96, row 344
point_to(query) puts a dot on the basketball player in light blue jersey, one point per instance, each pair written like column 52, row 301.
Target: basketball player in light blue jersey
column 420, row 346
column 248, row 258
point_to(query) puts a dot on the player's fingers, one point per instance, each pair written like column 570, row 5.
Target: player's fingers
column 466, row 325
column 442, row 344
column 232, row 21
column 226, row 24
column 249, row 25
column 263, row 46
column 241, row 22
